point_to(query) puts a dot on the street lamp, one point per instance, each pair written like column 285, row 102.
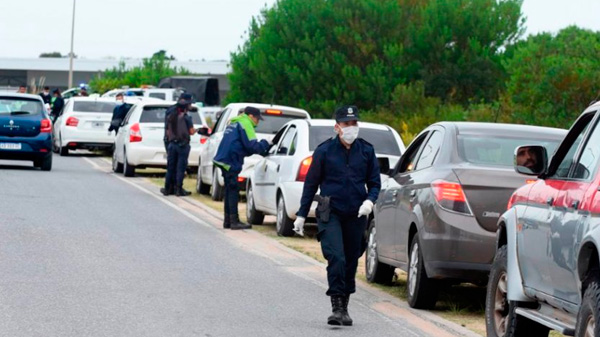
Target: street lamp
column 71, row 53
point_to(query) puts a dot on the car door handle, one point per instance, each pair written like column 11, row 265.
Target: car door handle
column 575, row 204
column 278, row 167
column 265, row 167
column 413, row 193
column 550, row 201
column 394, row 193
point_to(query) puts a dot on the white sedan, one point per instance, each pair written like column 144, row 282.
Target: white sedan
column 139, row 143
column 276, row 184
column 83, row 124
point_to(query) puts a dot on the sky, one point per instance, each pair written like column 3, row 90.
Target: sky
column 187, row 29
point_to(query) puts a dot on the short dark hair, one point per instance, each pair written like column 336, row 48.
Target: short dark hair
column 22, row 86
column 119, row 94
column 46, row 88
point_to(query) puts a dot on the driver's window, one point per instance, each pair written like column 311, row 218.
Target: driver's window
column 562, row 172
column 222, row 122
column 589, row 157
column 286, row 142
column 126, row 119
column 276, row 141
column 409, row 158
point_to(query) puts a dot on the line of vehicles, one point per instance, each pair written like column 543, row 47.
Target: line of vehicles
column 511, row 206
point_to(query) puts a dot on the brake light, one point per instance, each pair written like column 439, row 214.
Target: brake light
column 203, row 140
column 72, row 121
column 135, row 135
column 450, row 196
column 304, row 166
column 46, row 126
column 511, row 201
column 273, row 112
column 241, row 179
column 530, row 181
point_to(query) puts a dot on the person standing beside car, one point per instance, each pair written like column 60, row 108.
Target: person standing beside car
column 56, row 104
column 45, row 95
column 179, row 127
column 239, row 141
column 346, row 170
column 119, row 113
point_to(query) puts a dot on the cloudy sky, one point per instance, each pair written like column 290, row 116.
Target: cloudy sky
column 188, row 29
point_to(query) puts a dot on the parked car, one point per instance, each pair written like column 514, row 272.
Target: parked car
column 25, row 130
column 275, row 186
column 140, row 144
column 158, row 93
column 546, row 273
column 436, row 216
column 209, row 179
column 83, row 124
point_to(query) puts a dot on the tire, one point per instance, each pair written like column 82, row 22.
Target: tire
column 128, row 170
column 422, row 291
column 216, row 191
column 376, row 271
column 588, row 318
column 201, row 187
column 500, row 317
column 46, row 163
column 63, row 151
column 254, row 217
column 116, row 166
column 284, row 225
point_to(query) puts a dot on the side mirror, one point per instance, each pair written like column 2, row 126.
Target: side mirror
column 204, row 131
column 384, row 165
column 531, row 160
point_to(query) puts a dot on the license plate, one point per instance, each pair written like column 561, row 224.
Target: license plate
column 98, row 125
column 10, row 146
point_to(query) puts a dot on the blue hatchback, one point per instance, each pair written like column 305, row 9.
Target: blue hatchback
column 25, row 130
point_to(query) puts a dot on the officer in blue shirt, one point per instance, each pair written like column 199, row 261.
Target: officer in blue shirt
column 346, row 170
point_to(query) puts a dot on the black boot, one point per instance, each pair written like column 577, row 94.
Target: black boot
column 235, row 223
column 167, row 191
column 227, row 221
column 346, row 319
column 180, row 192
column 337, row 308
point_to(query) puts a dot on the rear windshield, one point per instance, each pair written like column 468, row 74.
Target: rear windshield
column 94, row 106
column 383, row 141
column 152, row 114
column 159, row 95
column 272, row 123
column 20, row 106
column 497, row 150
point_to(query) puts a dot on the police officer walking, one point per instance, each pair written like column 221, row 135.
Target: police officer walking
column 179, row 128
column 346, row 170
column 119, row 113
column 239, row 141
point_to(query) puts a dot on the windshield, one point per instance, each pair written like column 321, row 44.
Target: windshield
column 152, row 114
column 13, row 106
column 94, row 106
column 272, row 123
column 383, row 141
column 497, row 150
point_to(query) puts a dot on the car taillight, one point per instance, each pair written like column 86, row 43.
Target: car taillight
column 72, row 121
column 304, row 166
column 46, row 126
column 203, row 140
column 135, row 135
column 241, row 179
column 511, row 201
column 450, row 196
column 273, row 112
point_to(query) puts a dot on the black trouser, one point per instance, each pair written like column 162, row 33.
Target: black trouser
column 177, row 162
column 343, row 242
column 232, row 194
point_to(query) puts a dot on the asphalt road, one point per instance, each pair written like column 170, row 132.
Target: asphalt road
column 83, row 253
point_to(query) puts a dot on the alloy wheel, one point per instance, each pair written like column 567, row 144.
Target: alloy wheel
column 249, row 201
column 279, row 222
column 413, row 269
column 501, row 306
column 371, row 252
column 590, row 326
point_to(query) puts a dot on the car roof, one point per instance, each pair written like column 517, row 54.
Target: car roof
column 331, row 122
column 240, row 105
column 92, row 99
column 503, row 129
column 18, row 95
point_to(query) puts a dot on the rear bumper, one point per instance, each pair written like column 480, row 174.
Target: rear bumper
column 86, row 138
column 32, row 148
column 455, row 246
column 139, row 154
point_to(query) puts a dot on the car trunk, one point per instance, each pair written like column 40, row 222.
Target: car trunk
column 93, row 121
column 153, row 134
column 487, row 190
column 20, row 125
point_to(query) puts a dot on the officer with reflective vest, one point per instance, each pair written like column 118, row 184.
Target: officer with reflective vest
column 239, row 141
column 346, row 170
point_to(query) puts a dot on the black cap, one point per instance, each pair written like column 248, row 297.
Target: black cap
column 185, row 99
column 346, row 113
column 250, row 110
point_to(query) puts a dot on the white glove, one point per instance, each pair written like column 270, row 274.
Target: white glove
column 366, row 208
column 299, row 225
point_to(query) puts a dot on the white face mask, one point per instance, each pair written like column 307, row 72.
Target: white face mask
column 349, row 134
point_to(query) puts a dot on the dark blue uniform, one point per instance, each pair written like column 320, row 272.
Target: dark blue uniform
column 348, row 177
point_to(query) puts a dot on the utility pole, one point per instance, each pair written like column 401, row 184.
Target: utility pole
column 71, row 53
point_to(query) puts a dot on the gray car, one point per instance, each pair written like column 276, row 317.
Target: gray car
column 436, row 216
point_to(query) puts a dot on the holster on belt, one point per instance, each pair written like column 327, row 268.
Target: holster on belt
column 323, row 209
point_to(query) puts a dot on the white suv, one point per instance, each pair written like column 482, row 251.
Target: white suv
column 140, row 144
column 274, row 116
column 275, row 186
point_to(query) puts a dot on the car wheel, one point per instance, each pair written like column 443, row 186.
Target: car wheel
column 63, row 151
column 46, row 163
column 254, row 217
column 201, row 187
column 128, row 170
column 216, row 192
column 285, row 225
column 116, row 166
column 377, row 272
column 589, row 312
column 500, row 317
column 422, row 291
